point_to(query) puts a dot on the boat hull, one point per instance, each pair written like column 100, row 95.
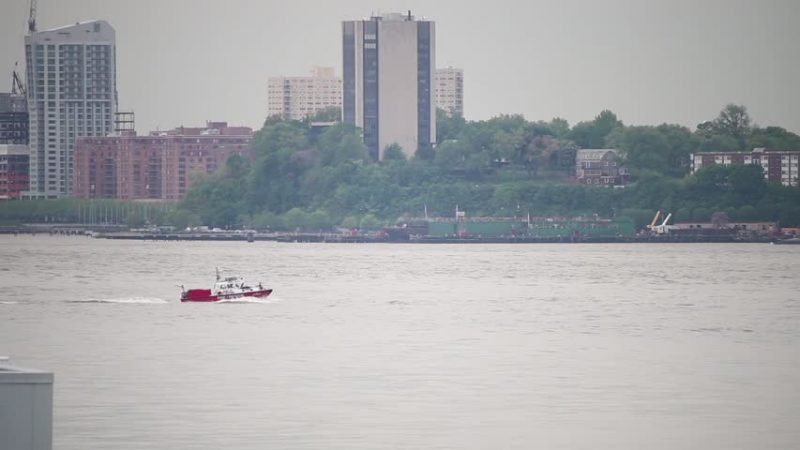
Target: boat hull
column 788, row 241
column 205, row 295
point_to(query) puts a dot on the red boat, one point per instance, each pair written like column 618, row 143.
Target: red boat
column 227, row 288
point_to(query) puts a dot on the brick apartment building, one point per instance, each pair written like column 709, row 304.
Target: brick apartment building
column 155, row 167
column 14, row 168
column 779, row 166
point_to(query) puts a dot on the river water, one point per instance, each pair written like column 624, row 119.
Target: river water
column 389, row 346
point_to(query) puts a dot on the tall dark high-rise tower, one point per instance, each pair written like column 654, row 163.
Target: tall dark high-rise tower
column 388, row 81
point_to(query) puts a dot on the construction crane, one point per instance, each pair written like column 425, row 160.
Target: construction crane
column 661, row 228
column 32, row 18
column 654, row 222
column 17, row 88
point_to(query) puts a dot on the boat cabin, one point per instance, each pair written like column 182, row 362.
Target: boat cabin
column 230, row 285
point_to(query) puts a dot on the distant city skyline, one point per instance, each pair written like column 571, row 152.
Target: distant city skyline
column 186, row 62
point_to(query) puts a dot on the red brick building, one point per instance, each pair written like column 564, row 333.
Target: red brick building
column 779, row 166
column 14, row 164
column 159, row 166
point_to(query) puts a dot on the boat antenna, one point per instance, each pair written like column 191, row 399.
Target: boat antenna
column 217, row 268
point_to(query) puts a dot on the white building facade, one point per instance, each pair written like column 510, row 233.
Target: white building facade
column 388, row 71
column 450, row 90
column 72, row 92
column 299, row 97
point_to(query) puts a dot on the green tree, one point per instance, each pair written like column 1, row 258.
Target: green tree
column 681, row 144
column 559, row 127
column 448, row 126
column 774, row 138
column 394, row 152
column 236, row 166
column 180, row 219
column 593, row 134
column 295, row 219
column 734, row 121
column 642, row 147
column 369, row 222
column 329, row 114
column 701, row 214
column 747, row 213
column 282, row 156
column 731, row 130
column 318, row 220
column 341, row 143
column 350, row 222
column 280, row 135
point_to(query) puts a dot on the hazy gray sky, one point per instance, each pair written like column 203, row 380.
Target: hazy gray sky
column 182, row 62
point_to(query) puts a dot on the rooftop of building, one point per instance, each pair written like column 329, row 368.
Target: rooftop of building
column 759, row 150
column 211, row 129
column 10, row 102
column 395, row 17
column 90, row 30
column 76, row 24
column 10, row 374
column 593, row 153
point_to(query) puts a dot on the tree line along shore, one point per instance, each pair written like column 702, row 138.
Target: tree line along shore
column 301, row 179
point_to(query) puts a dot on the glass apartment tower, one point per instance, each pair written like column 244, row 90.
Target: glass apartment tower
column 72, row 92
column 388, row 81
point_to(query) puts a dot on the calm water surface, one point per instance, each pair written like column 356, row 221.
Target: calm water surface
column 410, row 346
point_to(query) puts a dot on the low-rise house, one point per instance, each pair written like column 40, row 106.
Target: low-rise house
column 600, row 167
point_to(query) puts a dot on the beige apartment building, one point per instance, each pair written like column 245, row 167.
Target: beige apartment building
column 450, row 90
column 299, row 97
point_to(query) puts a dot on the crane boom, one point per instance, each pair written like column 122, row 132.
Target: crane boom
column 655, row 219
column 32, row 17
column 16, row 84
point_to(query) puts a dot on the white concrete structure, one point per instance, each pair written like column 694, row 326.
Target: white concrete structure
column 450, row 90
column 26, row 408
column 389, row 63
column 72, row 92
column 299, row 97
